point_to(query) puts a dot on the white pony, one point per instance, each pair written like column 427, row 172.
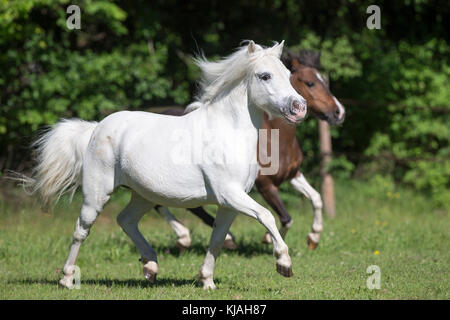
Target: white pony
column 132, row 149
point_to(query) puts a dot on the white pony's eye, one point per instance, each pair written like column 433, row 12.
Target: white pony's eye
column 264, row 76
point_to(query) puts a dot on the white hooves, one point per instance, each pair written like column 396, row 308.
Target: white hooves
column 285, row 271
column 206, row 281
column 183, row 243
column 150, row 271
column 67, row 281
column 284, row 263
column 208, row 284
column 267, row 238
column 229, row 242
column 313, row 240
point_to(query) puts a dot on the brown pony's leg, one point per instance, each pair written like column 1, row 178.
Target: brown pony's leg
column 203, row 215
column 183, row 234
column 301, row 185
column 209, row 220
column 270, row 194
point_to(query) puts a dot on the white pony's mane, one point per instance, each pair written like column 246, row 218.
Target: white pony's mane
column 220, row 76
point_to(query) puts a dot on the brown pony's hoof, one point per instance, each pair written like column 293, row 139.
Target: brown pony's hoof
column 311, row 244
column 267, row 239
column 284, row 271
column 183, row 243
column 229, row 244
column 150, row 271
column 181, row 248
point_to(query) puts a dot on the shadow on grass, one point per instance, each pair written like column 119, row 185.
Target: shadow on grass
column 126, row 283
column 247, row 249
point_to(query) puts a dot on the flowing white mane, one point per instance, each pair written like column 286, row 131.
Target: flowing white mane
column 219, row 76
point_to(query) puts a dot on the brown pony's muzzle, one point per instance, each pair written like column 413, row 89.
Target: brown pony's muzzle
column 339, row 112
column 338, row 117
column 335, row 117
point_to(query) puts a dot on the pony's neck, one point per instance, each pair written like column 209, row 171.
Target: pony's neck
column 236, row 109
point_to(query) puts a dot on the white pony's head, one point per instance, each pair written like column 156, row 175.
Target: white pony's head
column 269, row 84
column 265, row 76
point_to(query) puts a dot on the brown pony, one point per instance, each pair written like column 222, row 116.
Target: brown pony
column 306, row 79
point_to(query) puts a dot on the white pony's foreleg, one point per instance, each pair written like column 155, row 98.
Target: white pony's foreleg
column 224, row 219
column 300, row 184
column 238, row 201
column 184, row 238
column 128, row 219
column 242, row 202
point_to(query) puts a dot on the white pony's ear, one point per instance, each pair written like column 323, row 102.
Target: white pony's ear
column 279, row 49
column 251, row 47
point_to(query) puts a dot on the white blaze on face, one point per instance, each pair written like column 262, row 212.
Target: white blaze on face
column 339, row 105
column 341, row 108
column 319, row 77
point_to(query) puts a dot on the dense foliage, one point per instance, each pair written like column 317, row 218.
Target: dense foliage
column 136, row 54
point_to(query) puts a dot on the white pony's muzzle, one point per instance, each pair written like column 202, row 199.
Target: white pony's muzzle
column 295, row 112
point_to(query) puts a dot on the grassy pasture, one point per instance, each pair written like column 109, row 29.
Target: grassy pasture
column 377, row 224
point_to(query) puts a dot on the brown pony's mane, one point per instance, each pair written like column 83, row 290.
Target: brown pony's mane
column 309, row 58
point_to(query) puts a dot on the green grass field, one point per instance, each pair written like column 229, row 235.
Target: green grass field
column 377, row 224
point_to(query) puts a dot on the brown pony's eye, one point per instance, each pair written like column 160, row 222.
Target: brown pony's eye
column 309, row 84
column 264, row 76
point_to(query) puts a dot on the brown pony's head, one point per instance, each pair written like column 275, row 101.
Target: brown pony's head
column 309, row 83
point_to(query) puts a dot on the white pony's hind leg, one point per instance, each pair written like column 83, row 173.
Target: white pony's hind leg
column 301, row 185
column 183, row 234
column 224, row 219
column 98, row 184
column 89, row 213
column 128, row 219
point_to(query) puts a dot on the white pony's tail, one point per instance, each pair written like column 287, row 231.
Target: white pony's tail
column 59, row 156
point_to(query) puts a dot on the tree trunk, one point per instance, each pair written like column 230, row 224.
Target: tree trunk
column 327, row 179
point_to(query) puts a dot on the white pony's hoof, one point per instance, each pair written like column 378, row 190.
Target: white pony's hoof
column 267, row 239
column 206, row 281
column 208, row 284
column 66, row 282
column 229, row 243
column 183, row 243
column 285, row 271
column 313, row 240
column 150, row 271
column 284, row 263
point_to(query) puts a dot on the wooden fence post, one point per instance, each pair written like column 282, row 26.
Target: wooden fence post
column 327, row 179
